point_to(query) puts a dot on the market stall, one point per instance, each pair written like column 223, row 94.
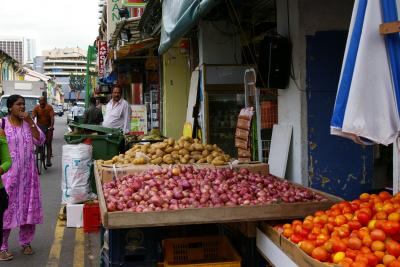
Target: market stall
column 151, row 189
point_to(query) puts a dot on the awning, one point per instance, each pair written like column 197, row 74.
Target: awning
column 131, row 49
column 178, row 17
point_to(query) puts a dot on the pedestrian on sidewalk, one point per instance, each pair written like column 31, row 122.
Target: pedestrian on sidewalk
column 5, row 165
column 118, row 112
column 93, row 115
column 22, row 180
column 44, row 114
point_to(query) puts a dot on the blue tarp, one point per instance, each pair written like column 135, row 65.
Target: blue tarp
column 110, row 79
column 178, row 17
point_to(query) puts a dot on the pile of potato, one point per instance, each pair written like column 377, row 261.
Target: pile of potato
column 184, row 151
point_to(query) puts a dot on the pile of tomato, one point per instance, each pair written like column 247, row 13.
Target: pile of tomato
column 359, row 233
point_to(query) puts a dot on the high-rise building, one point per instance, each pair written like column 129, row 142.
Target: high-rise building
column 61, row 63
column 30, row 49
column 13, row 47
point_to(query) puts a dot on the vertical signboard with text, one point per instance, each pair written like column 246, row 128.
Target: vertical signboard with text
column 102, row 57
column 112, row 16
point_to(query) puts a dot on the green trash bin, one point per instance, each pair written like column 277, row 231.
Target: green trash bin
column 106, row 143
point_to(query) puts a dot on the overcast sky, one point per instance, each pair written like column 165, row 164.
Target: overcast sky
column 53, row 23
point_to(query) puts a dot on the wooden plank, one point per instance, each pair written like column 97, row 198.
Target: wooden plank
column 279, row 150
column 289, row 248
column 389, row 27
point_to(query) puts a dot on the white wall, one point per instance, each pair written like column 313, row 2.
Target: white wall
column 219, row 43
column 305, row 18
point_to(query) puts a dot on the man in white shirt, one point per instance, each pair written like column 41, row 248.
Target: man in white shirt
column 75, row 110
column 118, row 112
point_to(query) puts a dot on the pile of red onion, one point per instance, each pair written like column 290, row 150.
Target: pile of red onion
column 182, row 187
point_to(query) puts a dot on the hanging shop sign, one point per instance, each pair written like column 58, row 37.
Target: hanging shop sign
column 102, row 57
column 136, row 7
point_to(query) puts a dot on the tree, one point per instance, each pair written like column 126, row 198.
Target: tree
column 77, row 84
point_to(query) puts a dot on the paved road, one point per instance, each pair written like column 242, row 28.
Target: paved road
column 68, row 246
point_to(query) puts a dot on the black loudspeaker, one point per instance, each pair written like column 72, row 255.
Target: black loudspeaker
column 274, row 62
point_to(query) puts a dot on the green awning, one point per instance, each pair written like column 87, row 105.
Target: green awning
column 178, row 17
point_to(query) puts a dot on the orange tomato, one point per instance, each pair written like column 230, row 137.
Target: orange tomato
column 364, row 231
column 378, row 206
column 379, row 255
column 319, row 213
column 354, row 225
column 367, row 241
column 394, row 217
column 390, row 227
column 320, row 254
column 321, row 239
column 287, row 225
column 361, row 258
column 339, row 245
column 287, row 232
column 340, row 220
column 328, row 246
column 378, row 245
column 308, row 224
column 350, row 253
column 312, row 236
column 363, row 217
column 364, row 197
column 338, row 257
column 296, row 222
column 372, row 259
column 378, row 234
column 307, row 246
column 388, row 208
column 395, row 263
column 384, row 195
column 387, row 259
column 296, row 238
column 365, row 250
column 380, row 215
column 393, row 248
column 354, row 243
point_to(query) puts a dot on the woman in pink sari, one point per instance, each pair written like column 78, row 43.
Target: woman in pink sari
column 22, row 180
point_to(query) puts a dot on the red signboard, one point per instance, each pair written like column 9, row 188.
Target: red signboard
column 102, row 57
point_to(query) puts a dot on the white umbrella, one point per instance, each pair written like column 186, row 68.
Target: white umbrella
column 366, row 109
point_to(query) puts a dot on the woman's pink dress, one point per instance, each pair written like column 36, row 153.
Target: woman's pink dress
column 22, row 180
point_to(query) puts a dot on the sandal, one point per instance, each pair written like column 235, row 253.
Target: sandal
column 27, row 250
column 6, row 256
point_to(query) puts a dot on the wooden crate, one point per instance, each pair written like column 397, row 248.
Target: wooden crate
column 121, row 219
column 291, row 249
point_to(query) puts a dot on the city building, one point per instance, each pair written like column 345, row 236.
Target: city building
column 10, row 69
column 60, row 64
column 14, row 47
column 30, row 49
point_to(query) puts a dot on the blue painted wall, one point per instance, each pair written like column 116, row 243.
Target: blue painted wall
column 336, row 165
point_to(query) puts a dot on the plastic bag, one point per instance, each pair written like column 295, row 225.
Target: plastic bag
column 76, row 167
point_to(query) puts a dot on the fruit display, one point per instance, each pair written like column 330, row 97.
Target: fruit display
column 184, row 151
column 183, row 186
column 362, row 232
